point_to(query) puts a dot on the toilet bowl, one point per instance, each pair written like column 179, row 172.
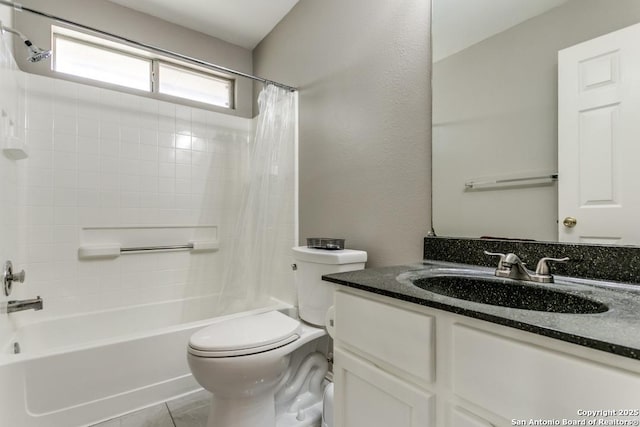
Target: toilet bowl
column 263, row 370
column 243, row 362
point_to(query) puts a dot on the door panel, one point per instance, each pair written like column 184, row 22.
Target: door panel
column 598, row 149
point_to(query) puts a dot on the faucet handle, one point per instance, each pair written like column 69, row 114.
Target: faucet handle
column 502, row 257
column 543, row 267
column 8, row 277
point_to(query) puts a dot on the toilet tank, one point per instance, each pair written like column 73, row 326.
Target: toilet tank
column 315, row 296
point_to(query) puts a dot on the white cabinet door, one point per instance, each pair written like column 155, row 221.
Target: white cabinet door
column 462, row 418
column 598, row 146
column 365, row 396
column 520, row 381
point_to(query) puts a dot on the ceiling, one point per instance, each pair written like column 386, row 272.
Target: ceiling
column 458, row 24
column 241, row 22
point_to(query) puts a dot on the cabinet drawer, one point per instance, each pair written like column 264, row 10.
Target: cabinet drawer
column 520, row 381
column 401, row 338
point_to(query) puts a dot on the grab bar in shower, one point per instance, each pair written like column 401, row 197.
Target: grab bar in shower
column 158, row 248
column 115, row 250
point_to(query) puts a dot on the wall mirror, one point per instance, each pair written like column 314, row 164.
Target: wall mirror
column 531, row 97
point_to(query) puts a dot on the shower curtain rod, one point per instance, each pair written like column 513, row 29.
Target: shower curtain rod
column 19, row 7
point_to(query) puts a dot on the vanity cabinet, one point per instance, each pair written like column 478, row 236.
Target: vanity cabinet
column 403, row 364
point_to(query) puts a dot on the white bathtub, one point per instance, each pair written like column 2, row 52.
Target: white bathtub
column 76, row 371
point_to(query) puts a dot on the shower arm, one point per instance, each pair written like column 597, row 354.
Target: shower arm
column 20, row 8
column 13, row 31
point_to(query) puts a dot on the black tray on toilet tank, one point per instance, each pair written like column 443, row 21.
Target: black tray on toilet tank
column 327, row 243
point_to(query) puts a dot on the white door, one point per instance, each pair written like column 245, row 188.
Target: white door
column 365, row 396
column 599, row 139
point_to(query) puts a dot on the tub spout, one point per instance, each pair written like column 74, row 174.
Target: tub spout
column 25, row 304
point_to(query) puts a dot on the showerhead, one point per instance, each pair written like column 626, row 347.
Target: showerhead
column 35, row 53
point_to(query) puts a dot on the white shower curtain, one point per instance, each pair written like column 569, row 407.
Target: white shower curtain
column 264, row 229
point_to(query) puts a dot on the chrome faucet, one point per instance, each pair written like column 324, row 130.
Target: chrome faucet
column 25, row 304
column 512, row 267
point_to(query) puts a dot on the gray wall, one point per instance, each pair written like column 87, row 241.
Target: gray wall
column 495, row 113
column 116, row 19
column 362, row 67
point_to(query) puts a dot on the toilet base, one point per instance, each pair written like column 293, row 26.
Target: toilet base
column 260, row 412
column 249, row 412
column 309, row 417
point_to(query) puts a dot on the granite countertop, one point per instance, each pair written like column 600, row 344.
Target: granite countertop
column 615, row 331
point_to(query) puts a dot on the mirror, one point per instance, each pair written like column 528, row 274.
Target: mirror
column 496, row 116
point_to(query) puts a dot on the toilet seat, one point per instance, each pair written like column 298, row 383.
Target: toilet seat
column 245, row 335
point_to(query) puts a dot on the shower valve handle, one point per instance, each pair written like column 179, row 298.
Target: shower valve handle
column 18, row 277
column 8, row 277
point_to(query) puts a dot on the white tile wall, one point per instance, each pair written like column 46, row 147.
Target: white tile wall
column 11, row 172
column 104, row 158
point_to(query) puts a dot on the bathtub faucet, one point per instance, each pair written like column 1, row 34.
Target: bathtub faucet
column 25, row 304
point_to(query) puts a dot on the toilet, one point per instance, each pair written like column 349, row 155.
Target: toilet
column 263, row 370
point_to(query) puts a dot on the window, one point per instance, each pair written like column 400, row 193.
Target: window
column 90, row 57
column 98, row 63
column 194, row 85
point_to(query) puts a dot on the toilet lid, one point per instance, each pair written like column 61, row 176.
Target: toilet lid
column 245, row 335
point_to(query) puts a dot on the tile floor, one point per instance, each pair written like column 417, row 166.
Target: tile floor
column 188, row 411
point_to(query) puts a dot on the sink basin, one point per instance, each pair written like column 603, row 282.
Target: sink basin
column 509, row 293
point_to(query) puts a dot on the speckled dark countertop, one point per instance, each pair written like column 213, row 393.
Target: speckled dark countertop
column 615, row 331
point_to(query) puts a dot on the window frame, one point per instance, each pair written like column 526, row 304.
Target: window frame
column 154, row 70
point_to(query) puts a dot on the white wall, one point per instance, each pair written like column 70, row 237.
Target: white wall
column 11, row 171
column 103, row 158
column 362, row 68
column 495, row 113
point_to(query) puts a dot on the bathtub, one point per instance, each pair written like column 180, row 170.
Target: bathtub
column 79, row 370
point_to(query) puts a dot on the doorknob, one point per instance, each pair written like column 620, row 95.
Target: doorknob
column 570, row 222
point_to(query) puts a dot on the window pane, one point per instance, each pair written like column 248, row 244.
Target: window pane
column 195, row 86
column 95, row 63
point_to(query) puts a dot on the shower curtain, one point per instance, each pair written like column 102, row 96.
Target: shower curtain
column 264, row 230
